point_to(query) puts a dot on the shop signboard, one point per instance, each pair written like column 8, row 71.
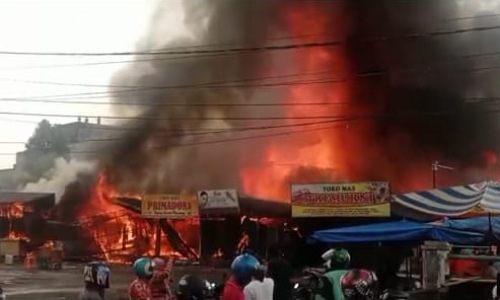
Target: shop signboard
column 357, row 199
column 169, row 206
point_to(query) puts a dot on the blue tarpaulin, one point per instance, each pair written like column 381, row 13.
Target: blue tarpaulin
column 399, row 231
column 478, row 224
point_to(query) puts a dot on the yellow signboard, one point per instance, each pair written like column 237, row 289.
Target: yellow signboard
column 169, row 206
column 359, row 199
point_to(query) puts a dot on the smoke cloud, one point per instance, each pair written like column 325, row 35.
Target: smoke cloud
column 151, row 159
column 421, row 93
column 60, row 176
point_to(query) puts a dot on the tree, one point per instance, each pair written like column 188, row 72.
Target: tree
column 45, row 145
column 48, row 138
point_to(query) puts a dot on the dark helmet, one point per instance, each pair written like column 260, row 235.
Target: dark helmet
column 359, row 284
column 191, row 287
column 97, row 274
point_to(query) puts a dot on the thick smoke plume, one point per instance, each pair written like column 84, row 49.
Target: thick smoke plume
column 58, row 178
column 150, row 159
column 418, row 95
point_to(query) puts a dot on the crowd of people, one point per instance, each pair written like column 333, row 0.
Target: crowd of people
column 251, row 279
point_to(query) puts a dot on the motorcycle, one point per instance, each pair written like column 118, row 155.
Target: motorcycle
column 311, row 284
column 394, row 295
column 212, row 290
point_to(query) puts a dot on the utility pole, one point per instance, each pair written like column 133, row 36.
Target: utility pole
column 436, row 167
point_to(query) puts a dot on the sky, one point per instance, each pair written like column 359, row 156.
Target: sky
column 63, row 26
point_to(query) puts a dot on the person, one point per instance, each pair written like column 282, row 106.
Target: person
column 203, row 199
column 256, row 289
column 280, row 271
column 268, row 283
column 140, row 288
column 190, row 287
column 96, row 278
column 242, row 269
column 160, row 282
column 359, row 284
column 337, row 263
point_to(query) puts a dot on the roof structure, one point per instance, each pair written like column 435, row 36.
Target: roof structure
column 37, row 199
column 453, row 201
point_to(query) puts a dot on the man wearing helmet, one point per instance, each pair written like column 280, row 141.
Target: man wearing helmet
column 359, row 284
column 140, row 288
column 160, row 281
column 242, row 269
column 96, row 278
column 337, row 261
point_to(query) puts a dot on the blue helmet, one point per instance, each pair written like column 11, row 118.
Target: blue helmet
column 97, row 274
column 143, row 267
column 244, row 266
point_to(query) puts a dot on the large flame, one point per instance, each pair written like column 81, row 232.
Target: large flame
column 119, row 233
column 317, row 152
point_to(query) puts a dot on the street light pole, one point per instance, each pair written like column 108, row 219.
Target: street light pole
column 436, row 167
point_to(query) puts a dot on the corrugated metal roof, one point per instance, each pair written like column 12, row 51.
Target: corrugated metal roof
column 10, row 197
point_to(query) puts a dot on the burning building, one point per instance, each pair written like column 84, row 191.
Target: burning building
column 349, row 91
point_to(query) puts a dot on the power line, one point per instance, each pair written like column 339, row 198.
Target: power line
column 219, row 141
column 223, row 84
column 145, row 118
column 323, row 80
column 242, row 50
column 188, row 133
column 156, row 59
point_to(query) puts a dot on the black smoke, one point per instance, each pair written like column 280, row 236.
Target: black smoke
column 419, row 93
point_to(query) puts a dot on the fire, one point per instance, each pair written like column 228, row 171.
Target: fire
column 321, row 151
column 12, row 210
column 218, row 253
column 243, row 243
column 119, row 233
column 13, row 235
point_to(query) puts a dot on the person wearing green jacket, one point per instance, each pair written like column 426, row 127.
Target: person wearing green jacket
column 337, row 262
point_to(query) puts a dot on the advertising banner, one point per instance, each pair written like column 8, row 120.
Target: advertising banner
column 358, row 199
column 169, row 206
column 218, row 202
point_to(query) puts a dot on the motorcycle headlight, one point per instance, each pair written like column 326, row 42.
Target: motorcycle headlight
column 296, row 286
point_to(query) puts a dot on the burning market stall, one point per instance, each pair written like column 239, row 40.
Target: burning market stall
column 227, row 224
column 22, row 221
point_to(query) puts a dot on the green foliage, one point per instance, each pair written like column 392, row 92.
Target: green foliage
column 48, row 138
column 45, row 145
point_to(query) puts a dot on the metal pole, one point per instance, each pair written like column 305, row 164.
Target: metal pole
column 158, row 238
column 434, row 170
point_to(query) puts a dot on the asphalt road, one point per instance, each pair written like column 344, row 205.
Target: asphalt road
column 19, row 283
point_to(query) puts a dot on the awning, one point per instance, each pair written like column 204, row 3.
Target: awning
column 454, row 201
column 400, row 231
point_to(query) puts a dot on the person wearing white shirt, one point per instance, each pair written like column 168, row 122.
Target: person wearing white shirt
column 259, row 288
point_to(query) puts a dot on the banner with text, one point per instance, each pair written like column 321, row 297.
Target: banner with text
column 216, row 202
column 358, row 199
column 169, row 206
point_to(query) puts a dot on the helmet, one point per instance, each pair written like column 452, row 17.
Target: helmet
column 159, row 264
column 97, row 273
column 191, row 287
column 338, row 258
column 359, row 284
column 143, row 267
column 244, row 266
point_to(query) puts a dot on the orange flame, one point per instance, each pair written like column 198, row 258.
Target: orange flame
column 119, row 233
column 316, row 150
